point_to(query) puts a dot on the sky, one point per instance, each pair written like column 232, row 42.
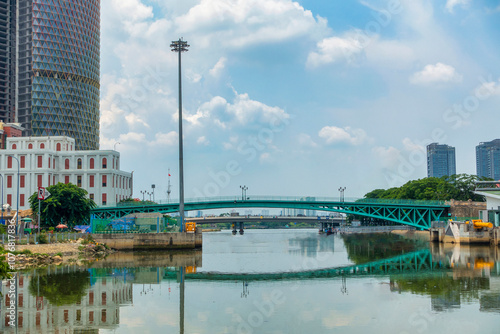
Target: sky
column 296, row 98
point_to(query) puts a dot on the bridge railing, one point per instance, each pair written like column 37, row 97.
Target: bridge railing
column 288, row 199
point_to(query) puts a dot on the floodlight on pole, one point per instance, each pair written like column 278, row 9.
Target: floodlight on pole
column 180, row 46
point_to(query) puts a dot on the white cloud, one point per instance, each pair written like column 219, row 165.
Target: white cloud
column 133, row 120
column 218, row 67
column 241, row 23
column 335, row 135
column 387, row 157
column 411, row 146
column 306, row 141
column 487, row 89
column 202, row 140
column 438, row 73
column 450, row 4
column 133, row 10
column 335, row 49
column 165, row 139
column 243, row 111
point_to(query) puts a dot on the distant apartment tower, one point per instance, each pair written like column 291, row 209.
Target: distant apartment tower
column 440, row 160
column 488, row 159
column 50, row 68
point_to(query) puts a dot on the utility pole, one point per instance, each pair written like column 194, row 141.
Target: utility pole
column 180, row 46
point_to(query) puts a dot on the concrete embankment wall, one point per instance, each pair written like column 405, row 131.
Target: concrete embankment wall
column 147, row 241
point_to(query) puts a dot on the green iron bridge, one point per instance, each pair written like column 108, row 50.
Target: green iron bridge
column 418, row 214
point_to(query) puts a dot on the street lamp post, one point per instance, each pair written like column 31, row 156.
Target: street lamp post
column 153, row 187
column 17, row 201
column 342, row 189
column 180, row 46
column 243, row 192
column 143, row 192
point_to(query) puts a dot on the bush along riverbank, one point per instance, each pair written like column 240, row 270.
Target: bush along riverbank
column 78, row 252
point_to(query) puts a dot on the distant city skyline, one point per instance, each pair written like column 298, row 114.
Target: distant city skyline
column 297, row 98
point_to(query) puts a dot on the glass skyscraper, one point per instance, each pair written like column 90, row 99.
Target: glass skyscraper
column 488, row 159
column 57, row 54
column 440, row 160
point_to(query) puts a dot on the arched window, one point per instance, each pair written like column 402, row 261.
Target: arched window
column 79, row 163
column 91, row 163
column 58, row 147
column 104, row 163
column 42, row 146
column 30, row 146
column 14, row 146
column 66, row 164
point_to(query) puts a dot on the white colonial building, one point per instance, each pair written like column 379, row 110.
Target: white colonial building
column 45, row 161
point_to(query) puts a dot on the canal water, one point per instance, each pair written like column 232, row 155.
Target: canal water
column 270, row 281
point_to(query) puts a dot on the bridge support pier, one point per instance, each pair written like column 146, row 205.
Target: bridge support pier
column 236, row 226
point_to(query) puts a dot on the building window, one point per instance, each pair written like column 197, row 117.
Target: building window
column 78, row 315
column 91, row 181
column 23, row 161
column 39, row 180
column 103, row 298
column 103, row 315
column 104, row 163
column 40, row 161
column 79, row 181
column 104, row 180
column 9, row 162
column 104, row 199
column 30, row 146
column 14, row 146
column 91, row 196
column 91, row 316
column 66, row 164
column 58, row 147
column 91, row 298
column 66, row 179
column 22, row 181
column 48, row 180
column 9, row 199
column 21, row 203
column 42, row 146
column 54, row 162
column 91, row 163
column 9, row 181
column 79, row 163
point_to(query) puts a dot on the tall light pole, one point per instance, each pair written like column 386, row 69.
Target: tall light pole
column 143, row 192
column 153, row 187
column 180, row 46
column 17, row 201
column 1, row 177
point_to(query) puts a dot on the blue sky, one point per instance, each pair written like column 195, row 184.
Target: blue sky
column 297, row 97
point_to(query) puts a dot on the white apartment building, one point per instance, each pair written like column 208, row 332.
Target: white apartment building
column 45, row 161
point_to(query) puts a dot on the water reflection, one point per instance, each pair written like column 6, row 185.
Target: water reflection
column 474, row 275
column 179, row 292
column 64, row 299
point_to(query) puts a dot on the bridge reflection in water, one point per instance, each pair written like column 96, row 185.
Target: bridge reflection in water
column 447, row 274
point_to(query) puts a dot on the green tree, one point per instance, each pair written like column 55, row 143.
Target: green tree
column 67, row 203
column 61, row 289
column 458, row 187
